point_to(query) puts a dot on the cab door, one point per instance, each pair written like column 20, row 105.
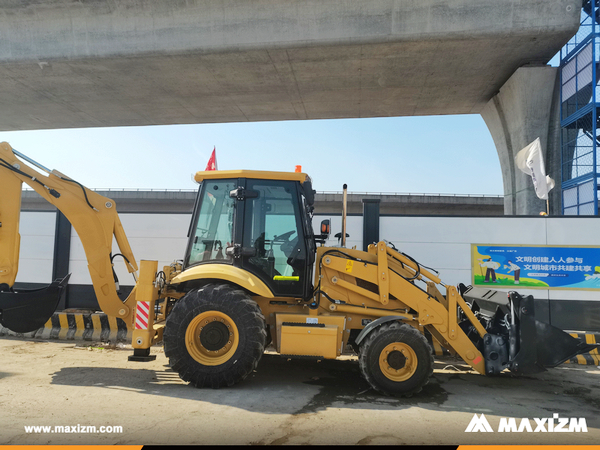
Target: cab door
column 273, row 228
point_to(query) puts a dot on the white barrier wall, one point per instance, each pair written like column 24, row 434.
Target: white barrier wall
column 161, row 237
column 443, row 243
column 37, row 247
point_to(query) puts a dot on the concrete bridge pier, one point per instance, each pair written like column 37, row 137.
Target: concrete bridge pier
column 525, row 108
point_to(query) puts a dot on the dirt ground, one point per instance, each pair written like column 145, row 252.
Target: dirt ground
column 283, row 402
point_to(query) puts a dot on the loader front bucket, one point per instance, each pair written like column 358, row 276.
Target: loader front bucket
column 23, row 310
column 542, row 345
column 515, row 339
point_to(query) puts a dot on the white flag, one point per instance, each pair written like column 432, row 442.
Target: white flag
column 531, row 161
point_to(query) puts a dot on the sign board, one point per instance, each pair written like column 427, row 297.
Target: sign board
column 542, row 267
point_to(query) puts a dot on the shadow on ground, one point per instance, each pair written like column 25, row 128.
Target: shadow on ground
column 294, row 386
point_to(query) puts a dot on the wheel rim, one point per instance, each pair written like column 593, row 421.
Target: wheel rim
column 398, row 361
column 211, row 338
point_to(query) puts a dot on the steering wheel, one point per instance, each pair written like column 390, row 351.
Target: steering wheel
column 285, row 236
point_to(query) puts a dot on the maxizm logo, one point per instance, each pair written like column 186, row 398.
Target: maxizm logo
column 552, row 424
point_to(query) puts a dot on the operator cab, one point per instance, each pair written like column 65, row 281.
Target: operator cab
column 259, row 222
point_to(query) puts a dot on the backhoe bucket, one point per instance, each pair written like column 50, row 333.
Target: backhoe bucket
column 23, row 310
column 515, row 339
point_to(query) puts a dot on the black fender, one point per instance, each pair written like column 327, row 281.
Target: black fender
column 376, row 323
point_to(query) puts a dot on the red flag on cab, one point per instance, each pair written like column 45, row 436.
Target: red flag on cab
column 212, row 162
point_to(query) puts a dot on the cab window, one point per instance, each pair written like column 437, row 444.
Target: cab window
column 213, row 232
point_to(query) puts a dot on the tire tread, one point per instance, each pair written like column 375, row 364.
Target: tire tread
column 366, row 360
column 251, row 327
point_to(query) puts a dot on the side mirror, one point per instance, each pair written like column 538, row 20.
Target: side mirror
column 242, row 194
column 325, row 228
column 237, row 250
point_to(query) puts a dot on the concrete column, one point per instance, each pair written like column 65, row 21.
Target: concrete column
column 527, row 107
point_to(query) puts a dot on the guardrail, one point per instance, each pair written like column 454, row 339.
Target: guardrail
column 132, row 190
column 414, row 194
column 142, row 190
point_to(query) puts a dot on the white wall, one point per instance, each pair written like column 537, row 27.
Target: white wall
column 443, row 243
column 37, row 247
column 161, row 237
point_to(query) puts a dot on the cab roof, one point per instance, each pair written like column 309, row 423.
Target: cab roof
column 258, row 174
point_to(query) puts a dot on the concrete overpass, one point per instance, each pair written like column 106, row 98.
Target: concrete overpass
column 146, row 62
column 390, row 204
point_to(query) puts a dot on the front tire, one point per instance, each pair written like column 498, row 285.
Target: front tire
column 396, row 360
column 214, row 336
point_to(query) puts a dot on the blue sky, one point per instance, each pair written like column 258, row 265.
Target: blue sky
column 435, row 154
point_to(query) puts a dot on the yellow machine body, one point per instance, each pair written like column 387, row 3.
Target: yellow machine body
column 306, row 335
column 227, row 273
column 215, row 316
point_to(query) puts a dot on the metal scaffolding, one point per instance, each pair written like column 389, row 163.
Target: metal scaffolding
column 579, row 60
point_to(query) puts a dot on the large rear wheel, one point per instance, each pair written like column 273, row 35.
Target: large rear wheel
column 396, row 359
column 214, row 336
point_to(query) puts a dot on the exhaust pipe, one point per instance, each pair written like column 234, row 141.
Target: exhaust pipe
column 344, row 212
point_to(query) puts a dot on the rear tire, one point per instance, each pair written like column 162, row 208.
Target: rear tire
column 214, row 336
column 396, row 360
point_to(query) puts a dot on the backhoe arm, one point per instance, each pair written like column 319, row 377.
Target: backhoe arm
column 93, row 216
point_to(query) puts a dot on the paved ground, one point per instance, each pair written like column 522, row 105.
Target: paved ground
column 283, row 402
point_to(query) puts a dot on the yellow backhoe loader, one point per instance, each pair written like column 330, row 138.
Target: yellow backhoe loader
column 247, row 280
